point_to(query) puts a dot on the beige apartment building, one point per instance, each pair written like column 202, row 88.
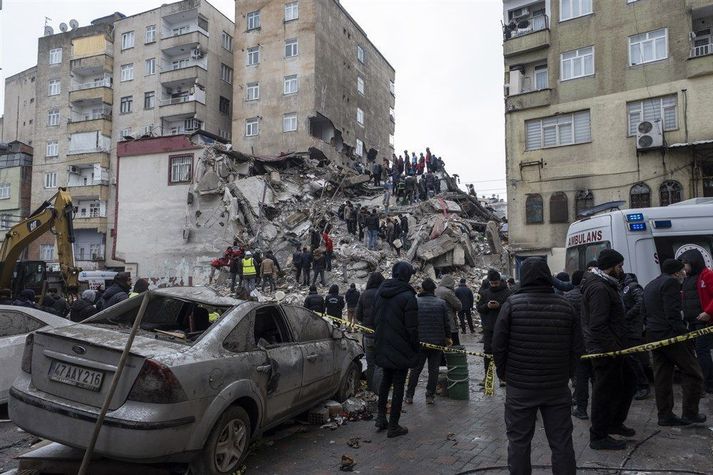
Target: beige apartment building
column 160, row 72
column 605, row 101
column 15, row 184
column 19, row 108
column 306, row 75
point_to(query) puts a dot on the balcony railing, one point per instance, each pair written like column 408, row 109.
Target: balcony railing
column 525, row 26
column 106, row 115
column 176, row 64
column 106, row 82
column 701, row 50
column 88, row 183
column 180, row 100
column 89, row 214
column 76, row 151
column 170, row 31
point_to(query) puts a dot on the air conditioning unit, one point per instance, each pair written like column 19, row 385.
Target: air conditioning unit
column 73, row 169
column 649, row 134
column 196, row 53
column 515, row 84
column 521, row 13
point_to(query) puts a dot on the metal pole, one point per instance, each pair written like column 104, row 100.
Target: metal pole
column 114, row 383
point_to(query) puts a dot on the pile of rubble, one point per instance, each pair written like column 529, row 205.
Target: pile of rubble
column 273, row 202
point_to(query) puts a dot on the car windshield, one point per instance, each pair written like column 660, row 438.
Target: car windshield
column 173, row 318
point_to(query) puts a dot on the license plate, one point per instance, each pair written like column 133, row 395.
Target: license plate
column 76, row 376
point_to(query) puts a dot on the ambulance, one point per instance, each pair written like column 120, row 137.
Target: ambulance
column 646, row 237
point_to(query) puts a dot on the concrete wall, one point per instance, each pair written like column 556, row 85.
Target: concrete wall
column 19, row 110
column 609, row 165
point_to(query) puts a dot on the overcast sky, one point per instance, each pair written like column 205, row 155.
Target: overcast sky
column 447, row 55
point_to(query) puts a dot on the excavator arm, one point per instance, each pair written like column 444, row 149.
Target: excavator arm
column 53, row 215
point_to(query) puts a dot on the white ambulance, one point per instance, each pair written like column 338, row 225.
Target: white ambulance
column 645, row 237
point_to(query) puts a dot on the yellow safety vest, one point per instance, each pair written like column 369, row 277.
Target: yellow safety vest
column 213, row 316
column 249, row 267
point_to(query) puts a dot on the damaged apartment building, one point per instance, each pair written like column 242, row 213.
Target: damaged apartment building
column 308, row 79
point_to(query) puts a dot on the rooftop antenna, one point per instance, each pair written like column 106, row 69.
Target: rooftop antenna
column 48, row 29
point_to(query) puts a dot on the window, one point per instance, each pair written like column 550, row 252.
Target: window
column 559, row 130
column 94, row 209
column 148, row 129
column 253, row 91
column 360, row 85
column 534, row 213
column 149, row 100
column 53, row 117
column 180, row 63
column 308, row 325
column 360, row 54
column 226, row 73
column 127, row 72
column 46, row 252
column 392, row 88
column 289, row 122
column 574, row 8
column 670, row 192
column 360, row 117
column 291, row 86
column 291, row 48
column 126, row 103
column 127, row 40
column 4, row 191
column 292, row 11
column 391, row 140
column 648, row 47
column 224, row 105
column 52, row 148
column 51, row 180
column 584, row 199
column 5, row 221
column 56, row 56
column 253, row 20
column 95, row 251
column 541, row 77
column 559, row 210
column 150, row 66
column 123, row 133
column 577, row 63
column 150, row 34
column 227, row 41
column 54, row 87
column 253, row 56
column 359, row 149
column 181, row 168
column 640, row 195
column 392, row 114
column 653, row 110
column 252, row 127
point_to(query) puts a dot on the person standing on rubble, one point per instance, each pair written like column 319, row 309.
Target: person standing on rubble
column 400, row 165
column 305, row 266
column 249, row 274
column 268, row 271
column 372, row 226
column 350, row 217
column 376, row 171
column 492, row 297
column 446, row 293
column 397, row 345
column 421, row 165
column 362, row 215
column 334, row 303
column 314, row 301
column 390, row 233
column 365, row 316
column 314, row 238
column 318, row 264
column 328, row 250
column 388, row 189
column 467, row 300
column 410, row 189
column 352, row 299
column 428, row 159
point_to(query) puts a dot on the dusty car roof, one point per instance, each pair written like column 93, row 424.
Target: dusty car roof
column 204, row 295
column 48, row 318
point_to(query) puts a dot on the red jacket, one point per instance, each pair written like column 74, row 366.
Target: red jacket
column 705, row 290
column 328, row 244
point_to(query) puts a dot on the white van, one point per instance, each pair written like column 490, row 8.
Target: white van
column 645, row 237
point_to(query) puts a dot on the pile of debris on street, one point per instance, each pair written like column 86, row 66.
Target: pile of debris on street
column 274, row 202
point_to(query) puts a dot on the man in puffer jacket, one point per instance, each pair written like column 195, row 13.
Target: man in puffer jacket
column 117, row 292
column 698, row 281
column 583, row 370
column 334, row 302
column 314, row 301
column 83, row 308
column 434, row 328
column 446, row 293
column 492, row 297
column 365, row 317
column 633, row 297
column 396, row 319
column 536, row 346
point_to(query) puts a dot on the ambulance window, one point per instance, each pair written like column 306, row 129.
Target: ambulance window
column 578, row 256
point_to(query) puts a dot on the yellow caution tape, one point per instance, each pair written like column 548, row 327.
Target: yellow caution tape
column 489, row 377
column 653, row 345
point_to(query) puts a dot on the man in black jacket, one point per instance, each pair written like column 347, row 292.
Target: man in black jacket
column 536, row 345
column 297, row 264
column 117, row 292
column 352, row 299
column 334, row 303
column 633, row 297
column 434, row 328
column 314, row 301
column 306, row 265
column 583, row 370
column 662, row 311
column 465, row 295
column 365, row 317
column 692, row 308
column 492, row 297
column 604, row 330
column 372, row 229
column 396, row 319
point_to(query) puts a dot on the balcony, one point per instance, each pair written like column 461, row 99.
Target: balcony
column 175, row 30
column 97, row 190
column 90, row 222
column 190, row 40
column 101, row 63
column 99, row 121
column 91, row 158
column 96, row 91
column 180, row 126
column 701, row 40
column 528, row 100
column 526, row 43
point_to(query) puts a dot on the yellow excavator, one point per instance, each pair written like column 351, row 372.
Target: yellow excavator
column 54, row 215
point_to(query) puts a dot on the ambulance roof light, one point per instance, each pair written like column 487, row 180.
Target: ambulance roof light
column 634, row 217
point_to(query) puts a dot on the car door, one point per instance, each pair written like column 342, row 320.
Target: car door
column 14, row 327
column 314, row 336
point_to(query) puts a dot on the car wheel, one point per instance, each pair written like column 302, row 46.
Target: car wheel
column 227, row 444
column 350, row 383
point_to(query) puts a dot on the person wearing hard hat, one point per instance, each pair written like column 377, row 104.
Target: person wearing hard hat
column 249, row 271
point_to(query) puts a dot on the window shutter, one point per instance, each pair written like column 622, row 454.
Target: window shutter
column 534, row 135
column 582, row 127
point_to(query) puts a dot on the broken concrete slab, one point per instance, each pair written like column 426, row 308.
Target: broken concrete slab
column 438, row 205
column 355, row 180
column 253, row 188
column 210, row 182
column 435, row 247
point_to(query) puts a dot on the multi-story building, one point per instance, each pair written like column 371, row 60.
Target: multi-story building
column 15, row 184
column 160, row 72
column 306, row 75
column 605, row 102
column 19, row 108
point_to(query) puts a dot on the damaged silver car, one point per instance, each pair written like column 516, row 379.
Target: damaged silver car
column 206, row 374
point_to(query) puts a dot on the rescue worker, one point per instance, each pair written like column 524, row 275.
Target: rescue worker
column 249, row 271
column 318, row 263
column 141, row 286
column 334, row 303
column 306, row 266
column 268, row 271
column 297, row 263
column 314, row 301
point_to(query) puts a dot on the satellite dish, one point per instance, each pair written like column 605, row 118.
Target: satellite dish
column 49, row 31
column 74, row 24
column 63, row 27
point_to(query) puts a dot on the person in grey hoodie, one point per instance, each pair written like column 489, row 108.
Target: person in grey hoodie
column 446, row 293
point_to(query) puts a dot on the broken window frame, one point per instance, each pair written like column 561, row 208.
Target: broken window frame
column 640, row 196
column 252, row 127
column 559, row 208
column 180, row 169
column 534, row 209
column 223, row 105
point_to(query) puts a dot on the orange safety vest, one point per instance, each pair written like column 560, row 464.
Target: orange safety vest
column 249, row 267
